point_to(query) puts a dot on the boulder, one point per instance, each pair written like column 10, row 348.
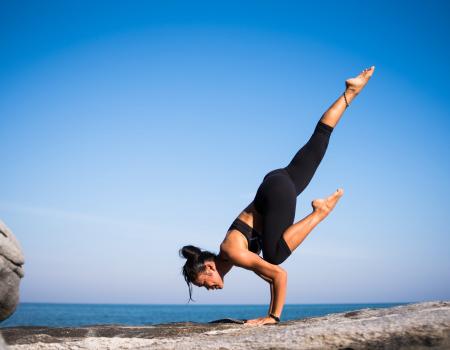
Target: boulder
column 11, row 271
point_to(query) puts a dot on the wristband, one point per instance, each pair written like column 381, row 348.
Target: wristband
column 274, row 317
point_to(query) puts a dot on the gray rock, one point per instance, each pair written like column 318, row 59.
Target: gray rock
column 11, row 271
column 414, row 327
column 3, row 345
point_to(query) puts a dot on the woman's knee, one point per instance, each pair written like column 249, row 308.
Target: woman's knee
column 279, row 255
column 274, row 259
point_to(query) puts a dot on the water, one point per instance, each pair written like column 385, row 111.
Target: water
column 72, row 315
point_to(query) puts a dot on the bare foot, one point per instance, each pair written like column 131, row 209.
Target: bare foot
column 324, row 206
column 355, row 85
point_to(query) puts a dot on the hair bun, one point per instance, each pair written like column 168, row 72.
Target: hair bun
column 190, row 252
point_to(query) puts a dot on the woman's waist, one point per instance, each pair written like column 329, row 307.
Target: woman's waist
column 245, row 227
column 253, row 237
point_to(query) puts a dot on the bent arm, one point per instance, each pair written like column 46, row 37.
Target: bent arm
column 268, row 280
column 274, row 274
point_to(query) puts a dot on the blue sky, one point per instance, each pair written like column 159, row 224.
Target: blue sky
column 129, row 129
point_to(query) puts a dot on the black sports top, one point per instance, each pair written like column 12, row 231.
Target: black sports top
column 253, row 236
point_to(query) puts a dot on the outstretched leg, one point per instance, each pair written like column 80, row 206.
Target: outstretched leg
column 305, row 162
column 296, row 233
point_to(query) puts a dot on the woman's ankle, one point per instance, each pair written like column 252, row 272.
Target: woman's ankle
column 351, row 92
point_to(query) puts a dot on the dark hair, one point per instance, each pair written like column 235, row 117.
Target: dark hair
column 195, row 264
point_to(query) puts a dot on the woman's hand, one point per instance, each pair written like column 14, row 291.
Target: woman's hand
column 260, row 321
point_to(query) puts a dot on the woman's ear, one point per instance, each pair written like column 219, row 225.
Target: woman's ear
column 210, row 266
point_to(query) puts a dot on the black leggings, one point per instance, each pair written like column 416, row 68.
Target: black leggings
column 276, row 197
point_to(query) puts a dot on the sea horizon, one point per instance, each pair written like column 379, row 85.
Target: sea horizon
column 57, row 314
column 222, row 304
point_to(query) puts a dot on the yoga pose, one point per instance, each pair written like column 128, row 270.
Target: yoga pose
column 267, row 223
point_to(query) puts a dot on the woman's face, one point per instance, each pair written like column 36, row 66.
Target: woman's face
column 210, row 278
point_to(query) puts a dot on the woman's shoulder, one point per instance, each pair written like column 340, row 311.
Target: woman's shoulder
column 234, row 240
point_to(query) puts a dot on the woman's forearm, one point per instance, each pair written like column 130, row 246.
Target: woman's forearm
column 270, row 281
column 271, row 297
column 277, row 287
column 278, row 295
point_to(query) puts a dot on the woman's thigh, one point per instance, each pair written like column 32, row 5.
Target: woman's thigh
column 276, row 191
column 276, row 201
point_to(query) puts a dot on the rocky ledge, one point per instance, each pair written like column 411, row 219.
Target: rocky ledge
column 415, row 326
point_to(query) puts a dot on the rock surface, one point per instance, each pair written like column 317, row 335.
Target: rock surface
column 11, row 271
column 3, row 345
column 415, row 326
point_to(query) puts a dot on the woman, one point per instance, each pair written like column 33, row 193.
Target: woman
column 267, row 223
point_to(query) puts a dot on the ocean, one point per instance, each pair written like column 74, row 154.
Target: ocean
column 74, row 315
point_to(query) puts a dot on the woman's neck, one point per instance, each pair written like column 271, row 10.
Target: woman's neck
column 223, row 266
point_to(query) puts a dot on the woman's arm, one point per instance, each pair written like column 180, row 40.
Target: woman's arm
column 278, row 277
column 268, row 280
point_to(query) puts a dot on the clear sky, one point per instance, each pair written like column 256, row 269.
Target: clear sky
column 129, row 129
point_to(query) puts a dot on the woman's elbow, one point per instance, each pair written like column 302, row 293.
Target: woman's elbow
column 281, row 274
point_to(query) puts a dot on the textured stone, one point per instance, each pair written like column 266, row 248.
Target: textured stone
column 11, row 271
column 414, row 327
column 3, row 345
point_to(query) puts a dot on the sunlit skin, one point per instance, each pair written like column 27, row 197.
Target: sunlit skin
column 234, row 248
column 210, row 278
